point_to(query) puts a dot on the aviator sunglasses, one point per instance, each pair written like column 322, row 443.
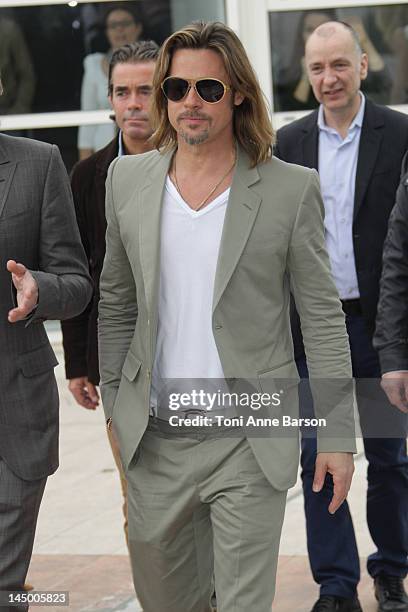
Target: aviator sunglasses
column 209, row 90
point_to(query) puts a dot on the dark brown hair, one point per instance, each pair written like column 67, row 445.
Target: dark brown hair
column 140, row 51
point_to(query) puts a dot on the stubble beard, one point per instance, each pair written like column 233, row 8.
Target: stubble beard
column 192, row 139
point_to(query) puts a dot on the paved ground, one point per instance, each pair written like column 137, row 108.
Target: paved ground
column 80, row 545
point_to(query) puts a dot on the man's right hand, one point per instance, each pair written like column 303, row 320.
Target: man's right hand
column 395, row 384
column 341, row 467
column 85, row 392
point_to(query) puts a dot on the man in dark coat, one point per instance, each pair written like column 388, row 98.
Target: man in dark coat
column 391, row 334
column 357, row 146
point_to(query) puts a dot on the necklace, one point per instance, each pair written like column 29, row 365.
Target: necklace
column 213, row 190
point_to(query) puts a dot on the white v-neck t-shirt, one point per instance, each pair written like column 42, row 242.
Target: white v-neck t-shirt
column 190, row 243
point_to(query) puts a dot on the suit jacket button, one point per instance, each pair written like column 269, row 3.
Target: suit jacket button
column 218, row 327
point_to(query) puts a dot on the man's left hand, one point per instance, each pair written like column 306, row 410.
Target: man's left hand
column 341, row 467
column 27, row 291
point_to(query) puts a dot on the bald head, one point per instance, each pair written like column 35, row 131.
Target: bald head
column 335, row 29
column 335, row 66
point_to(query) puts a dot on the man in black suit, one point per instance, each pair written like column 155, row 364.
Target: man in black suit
column 357, row 147
column 130, row 85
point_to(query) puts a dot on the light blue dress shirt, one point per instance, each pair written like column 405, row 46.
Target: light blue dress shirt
column 337, row 170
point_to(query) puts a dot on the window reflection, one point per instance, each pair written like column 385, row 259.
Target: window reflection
column 59, row 40
column 122, row 24
column 383, row 37
column 52, row 41
column 16, row 69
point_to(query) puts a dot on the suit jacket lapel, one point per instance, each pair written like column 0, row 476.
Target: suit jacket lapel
column 240, row 215
column 7, row 169
column 105, row 158
column 151, row 196
column 310, row 143
column 370, row 141
column 241, row 212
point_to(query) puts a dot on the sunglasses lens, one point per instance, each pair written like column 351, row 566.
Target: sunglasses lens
column 210, row 90
column 175, row 89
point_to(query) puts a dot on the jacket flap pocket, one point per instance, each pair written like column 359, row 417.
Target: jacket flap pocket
column 131, row 366
column 281, row 378
column 38, row 361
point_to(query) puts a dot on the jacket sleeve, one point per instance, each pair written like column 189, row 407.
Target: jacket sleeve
column 118, row 303
column 75, row 330
column 64, row 285
column 391, row 335
column 322, row 322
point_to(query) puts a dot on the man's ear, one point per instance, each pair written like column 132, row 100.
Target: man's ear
column 364, row 66
column 238, row 98
column 112, row 115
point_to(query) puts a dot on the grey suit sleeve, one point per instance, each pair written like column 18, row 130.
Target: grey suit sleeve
column 64, row 285
column 322, row 321
column 117, row 306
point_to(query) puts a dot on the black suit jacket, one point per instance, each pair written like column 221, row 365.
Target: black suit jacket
column 80, row 338
column 383, row 143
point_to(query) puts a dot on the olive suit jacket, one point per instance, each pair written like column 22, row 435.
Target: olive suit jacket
column 272, row 240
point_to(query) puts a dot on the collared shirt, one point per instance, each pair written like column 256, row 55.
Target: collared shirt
column 337, row 170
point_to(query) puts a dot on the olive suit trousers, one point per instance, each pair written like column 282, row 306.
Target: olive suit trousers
column 200, row 507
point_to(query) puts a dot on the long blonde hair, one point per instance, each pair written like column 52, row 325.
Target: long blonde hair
column 252, row 125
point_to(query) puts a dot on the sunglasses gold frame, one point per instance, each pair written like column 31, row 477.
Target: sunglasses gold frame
column 192, row 83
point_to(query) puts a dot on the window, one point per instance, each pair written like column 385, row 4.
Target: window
column 383, row 31
column 54, row 58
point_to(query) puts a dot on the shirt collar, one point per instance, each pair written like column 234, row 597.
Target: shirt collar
column 357, row 121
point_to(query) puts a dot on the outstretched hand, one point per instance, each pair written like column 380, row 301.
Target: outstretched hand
column 27, row 291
